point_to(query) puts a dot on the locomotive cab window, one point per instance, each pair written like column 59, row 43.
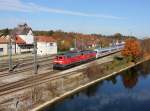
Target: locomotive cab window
column 60, row 57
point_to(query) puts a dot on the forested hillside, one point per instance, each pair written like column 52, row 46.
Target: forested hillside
column 66, row 40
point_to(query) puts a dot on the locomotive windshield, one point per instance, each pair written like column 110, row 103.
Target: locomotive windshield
column 59, row 57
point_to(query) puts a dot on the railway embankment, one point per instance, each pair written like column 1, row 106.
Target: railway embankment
column 82, row 79
column 53, row 88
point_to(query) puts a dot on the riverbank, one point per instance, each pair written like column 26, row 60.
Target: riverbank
column 85, row 85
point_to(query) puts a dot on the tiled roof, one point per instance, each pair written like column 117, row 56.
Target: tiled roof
column 45, row 39
column 19, row 40
column 3, row 40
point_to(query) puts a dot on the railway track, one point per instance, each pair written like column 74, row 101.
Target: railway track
column 20, row 64
column 25, row 69
column 24, row 59
column 35, row 80
column 27, row 82
column 40, row 78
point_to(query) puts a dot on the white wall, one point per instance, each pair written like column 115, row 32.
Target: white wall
column 44, row 48
column 13, row 48
column 27, row 38
column 5, row 49
column 18, row 49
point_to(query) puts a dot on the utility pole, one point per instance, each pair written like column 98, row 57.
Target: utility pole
column 35, row 55
column 82, row 44
column 75, row 43
column 10, row 53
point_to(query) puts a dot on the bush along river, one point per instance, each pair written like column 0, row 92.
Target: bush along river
column 127, row 91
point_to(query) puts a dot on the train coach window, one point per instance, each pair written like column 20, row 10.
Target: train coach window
column 68, row 56
column 104, row 51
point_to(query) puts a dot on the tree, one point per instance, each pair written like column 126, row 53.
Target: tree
column 50, row 33
column 117, row 36
column 6, row 32
column 145, row 46
column 132, row 49
column 64, row 45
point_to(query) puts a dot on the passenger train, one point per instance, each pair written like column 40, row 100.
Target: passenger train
column 72, row 58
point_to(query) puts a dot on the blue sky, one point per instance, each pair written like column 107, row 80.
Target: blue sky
column 85, row 16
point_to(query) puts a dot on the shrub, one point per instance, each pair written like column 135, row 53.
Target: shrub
column 94, row 70
column 36, row 94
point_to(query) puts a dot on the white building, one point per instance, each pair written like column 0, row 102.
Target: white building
column 46, row 45
column 22, row 40
column 4, row 40
column 22, row 44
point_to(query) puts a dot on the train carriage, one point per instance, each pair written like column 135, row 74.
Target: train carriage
column 100, row 52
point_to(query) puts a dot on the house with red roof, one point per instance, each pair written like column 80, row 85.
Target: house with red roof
column 21, row 38
column 22, row 44
column 18, row 45
column 46, row 45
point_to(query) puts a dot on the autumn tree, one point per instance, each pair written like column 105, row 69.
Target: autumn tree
column 145, row 46
column 132, row 49
column 64, row 45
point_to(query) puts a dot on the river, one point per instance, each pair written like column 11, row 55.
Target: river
column 127, row 91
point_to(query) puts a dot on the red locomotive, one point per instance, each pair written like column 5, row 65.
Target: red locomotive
column 68, row 59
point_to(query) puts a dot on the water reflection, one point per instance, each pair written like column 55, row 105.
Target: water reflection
column 144, row 68
column 130, row 78
column 127, row 91
column 112, row 79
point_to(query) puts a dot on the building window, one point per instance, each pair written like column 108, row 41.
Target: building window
column 51, row 44
column 1, row 49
